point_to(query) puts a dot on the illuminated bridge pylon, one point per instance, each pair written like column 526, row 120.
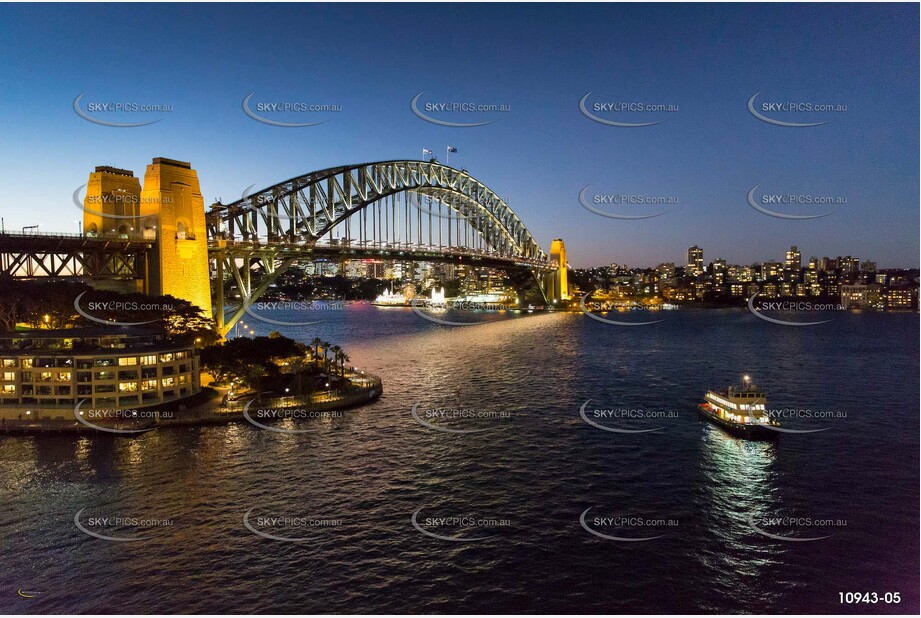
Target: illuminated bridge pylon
column 392, row 210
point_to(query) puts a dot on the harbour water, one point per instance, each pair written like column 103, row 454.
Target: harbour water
column 703, row 499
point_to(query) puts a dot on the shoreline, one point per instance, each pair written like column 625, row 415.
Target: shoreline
column 210, row 412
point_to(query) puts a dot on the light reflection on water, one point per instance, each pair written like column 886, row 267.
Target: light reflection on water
column 540, row 469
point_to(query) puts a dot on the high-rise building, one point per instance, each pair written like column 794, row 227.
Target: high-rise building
column 794, row 259
column 719, row 271
column 695, row 260
column 770, row 270
column 848, row 264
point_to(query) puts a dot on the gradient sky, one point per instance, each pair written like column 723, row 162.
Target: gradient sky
column 538, row 59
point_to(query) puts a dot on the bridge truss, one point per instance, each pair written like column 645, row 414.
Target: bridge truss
column 395, row 210
column 71, row 256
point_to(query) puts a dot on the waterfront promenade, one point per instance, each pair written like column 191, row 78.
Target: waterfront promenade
column 209, row 407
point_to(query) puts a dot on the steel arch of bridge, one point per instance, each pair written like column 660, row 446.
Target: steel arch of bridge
column 303, row 209
column 283, row 224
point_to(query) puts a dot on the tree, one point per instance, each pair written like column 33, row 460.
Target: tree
column 66, row 304
column 9, row 303
column 316, row 346
column 247, row 360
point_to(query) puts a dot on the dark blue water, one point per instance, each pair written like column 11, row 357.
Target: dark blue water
column 535, row 472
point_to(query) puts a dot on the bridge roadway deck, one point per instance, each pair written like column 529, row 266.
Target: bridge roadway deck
column 357, row 251
column 66, row 243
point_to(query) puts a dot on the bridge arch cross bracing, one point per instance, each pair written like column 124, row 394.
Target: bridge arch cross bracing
column 301, row 210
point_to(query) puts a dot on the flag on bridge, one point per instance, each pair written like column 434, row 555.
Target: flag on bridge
column 426, row 151
column 452, row 149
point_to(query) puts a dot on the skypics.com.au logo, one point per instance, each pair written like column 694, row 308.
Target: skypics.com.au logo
column 771, row 112
column 627, row 529
column 791, row 306
column 286, row 411
column 619, row 113
column 794, row 529
column 451, row 417
column 120, row 528
column 770, row 203
column 289, row 529
column 428, row 111
column 599, row 310
column 261, row 110
column 95, row 310
column 624, row 420
column 458, row 528
column 261, row 310
column 431, row 310
column 124, row 202
column 96, row 110
column 120, row 420
column 599, row 203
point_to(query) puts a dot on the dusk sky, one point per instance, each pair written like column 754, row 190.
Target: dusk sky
column 537, row 60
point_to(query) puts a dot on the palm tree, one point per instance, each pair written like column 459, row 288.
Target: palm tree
column 342, row 358
column 316, row 346
column 336, row 358
column 326, row 345
column 334, row 354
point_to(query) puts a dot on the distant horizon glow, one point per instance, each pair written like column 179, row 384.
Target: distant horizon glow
column 537, row 73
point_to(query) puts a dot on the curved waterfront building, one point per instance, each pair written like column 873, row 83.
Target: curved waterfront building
column 45, row 373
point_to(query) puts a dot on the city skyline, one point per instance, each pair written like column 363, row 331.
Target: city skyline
column 539, row 154
column 708, row 259
column 298, row 300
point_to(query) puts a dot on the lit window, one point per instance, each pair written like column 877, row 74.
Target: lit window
column 9, row 376
column 9, row 389
column 128, row 360
column 128, row 387
column 150, row 359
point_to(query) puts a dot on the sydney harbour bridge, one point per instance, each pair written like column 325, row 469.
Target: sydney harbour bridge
column 162, row 240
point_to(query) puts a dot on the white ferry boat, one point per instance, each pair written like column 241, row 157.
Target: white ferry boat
column 740, row 411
